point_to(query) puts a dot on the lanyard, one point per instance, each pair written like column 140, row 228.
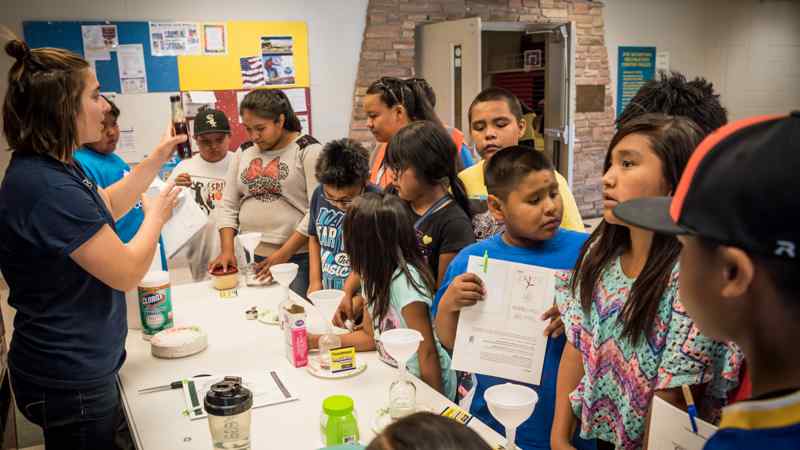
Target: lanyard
column 437, row 205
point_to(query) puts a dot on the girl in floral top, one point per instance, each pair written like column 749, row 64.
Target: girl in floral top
column 629, row 337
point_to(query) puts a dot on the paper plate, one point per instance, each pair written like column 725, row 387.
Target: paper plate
column 314, row 369
column 268, row 316
column 382, row 418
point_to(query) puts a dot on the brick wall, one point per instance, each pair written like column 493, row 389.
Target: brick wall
column 388, row 50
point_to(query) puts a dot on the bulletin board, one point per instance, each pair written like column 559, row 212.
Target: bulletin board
column 162, row 71
column 222, row 77
column 264, row 41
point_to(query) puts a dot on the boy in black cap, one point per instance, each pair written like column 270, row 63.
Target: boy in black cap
column 205, row 176
column 736, row 213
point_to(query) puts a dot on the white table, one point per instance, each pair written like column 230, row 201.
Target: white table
column 239, row 345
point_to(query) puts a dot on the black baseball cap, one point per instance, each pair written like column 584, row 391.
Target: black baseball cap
column 211, row 121
column 741, row 188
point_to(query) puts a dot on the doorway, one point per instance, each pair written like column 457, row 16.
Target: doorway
column 536, row 62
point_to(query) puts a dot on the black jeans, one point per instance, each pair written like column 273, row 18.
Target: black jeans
column 300, row 283
column 76, row 419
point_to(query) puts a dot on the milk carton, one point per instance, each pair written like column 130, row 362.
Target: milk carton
column 295, row 335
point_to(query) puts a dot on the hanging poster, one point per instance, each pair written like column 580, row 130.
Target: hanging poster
column 252, row 72
column 215, row 39
column 98, row 40
column 132, row 73
column 174, row 38
column 277, row 54
column 635, row 67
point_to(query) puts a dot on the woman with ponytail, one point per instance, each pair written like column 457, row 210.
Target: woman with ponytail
column 420, row 158
column 66, row 268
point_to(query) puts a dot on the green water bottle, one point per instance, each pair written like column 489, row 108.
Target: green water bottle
column 341, row 426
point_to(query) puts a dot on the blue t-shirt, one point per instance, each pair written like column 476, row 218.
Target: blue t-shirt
column 325, row 223
column 106, row 170
column 70, row 327
column 558, row 253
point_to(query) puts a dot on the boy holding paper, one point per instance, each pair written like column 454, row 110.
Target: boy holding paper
column 524, row 195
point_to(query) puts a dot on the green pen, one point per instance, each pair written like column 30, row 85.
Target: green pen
column 485, row 261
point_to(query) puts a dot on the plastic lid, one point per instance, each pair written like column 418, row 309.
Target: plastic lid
column 155, row 278
column 337, row 405
column 228, row 398
column 219, row 270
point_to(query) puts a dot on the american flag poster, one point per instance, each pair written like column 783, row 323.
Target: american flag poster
column 252, row 72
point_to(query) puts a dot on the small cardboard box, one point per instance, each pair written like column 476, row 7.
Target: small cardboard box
column 295, row 335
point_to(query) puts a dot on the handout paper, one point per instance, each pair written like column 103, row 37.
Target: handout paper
column 98, row 40
column 670, row 428
column 268, row 388
column 304, row 126
column 205, row 97
column 502, row 335
column 174, row 38
column 187, row 219
column 297, row 98
column 132, row 73
column 126, row 146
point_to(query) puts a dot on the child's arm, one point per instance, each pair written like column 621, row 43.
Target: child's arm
column 444, row 261
column 570, row 373
column 417, row 317
column 314, row 265
column 465, row 290
column 362, row 339
column 347, row 305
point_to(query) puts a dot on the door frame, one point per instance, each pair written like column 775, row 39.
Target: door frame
column 569, row 108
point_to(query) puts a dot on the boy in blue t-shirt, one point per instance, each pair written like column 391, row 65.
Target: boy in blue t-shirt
column 523, row 194
column 342, row 170
column 736, row 213
column 105, row 168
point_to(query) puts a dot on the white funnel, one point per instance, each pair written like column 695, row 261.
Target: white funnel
column 326, row 301
column 511, row 404
column 401, row 343
column 249, row 242
column 284, row 273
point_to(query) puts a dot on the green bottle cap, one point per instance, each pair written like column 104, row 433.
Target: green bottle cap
column 337, row 405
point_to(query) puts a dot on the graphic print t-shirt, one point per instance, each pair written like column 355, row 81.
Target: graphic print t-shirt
column 325, row 223
column 208, row 180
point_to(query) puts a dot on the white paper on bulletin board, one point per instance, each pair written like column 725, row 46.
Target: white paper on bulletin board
column 148, row 115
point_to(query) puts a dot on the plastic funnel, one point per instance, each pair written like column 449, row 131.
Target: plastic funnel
column 284, row 273
column 401, row 343
column 326, row 301
column 249, row 242
column 511, row 404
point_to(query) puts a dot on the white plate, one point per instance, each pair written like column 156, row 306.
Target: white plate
column 268, row 316
column 314, row 369
column 383, row 419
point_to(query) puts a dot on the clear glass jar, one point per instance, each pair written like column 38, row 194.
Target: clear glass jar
column 402, row 398
column 327, row 342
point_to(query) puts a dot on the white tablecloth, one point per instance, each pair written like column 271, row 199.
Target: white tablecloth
column 239, row 345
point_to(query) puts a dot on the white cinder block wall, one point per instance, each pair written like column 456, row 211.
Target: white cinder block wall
column 335, row 30
column 749, row 49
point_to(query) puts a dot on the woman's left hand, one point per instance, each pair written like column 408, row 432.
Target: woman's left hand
column 262, row 268
column 165, row 148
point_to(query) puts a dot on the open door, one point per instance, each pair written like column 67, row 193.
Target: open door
column 559, row 99
column 449, row 58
